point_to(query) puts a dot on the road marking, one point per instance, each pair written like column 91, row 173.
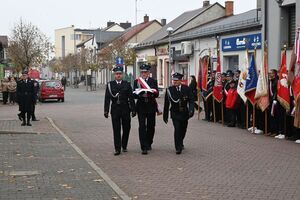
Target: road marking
column 105, row 177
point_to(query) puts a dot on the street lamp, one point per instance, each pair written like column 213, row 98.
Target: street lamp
column 170, row 30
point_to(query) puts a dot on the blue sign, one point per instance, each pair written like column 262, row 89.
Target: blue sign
column 240, row 43
column 120, row 61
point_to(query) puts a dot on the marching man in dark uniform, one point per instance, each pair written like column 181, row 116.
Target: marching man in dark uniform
column 182, row 108
column 25, row 98
column 146, row 92
column 119, row 92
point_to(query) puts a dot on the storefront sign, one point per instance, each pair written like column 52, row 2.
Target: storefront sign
column 162, row 51
column 240, row 43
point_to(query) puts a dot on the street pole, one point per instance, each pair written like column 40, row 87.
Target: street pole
column 170, row 31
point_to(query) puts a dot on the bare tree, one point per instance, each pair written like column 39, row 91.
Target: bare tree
column 118, row 48
column 28, row 46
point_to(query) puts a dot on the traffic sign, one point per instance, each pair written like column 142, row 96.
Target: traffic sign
column 120, row 61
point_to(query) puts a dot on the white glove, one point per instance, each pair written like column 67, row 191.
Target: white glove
column 274, row 102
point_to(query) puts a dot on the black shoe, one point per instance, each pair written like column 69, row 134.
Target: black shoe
column 19, row 116
column 117, row 153
column 178, row 152
column 125, row 150
column 23, row 124
column 230, row 125
column 144, row 152
column 149, row 148
column 28, row 124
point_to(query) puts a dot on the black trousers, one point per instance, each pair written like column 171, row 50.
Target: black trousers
column 121, row 120
column 277, row 121
column 208, row 108
column 241, row 115
column 25, row 115
column 12, row 97
column 231, row 116
column 180, row 127
column 146, row 129
column 5, row 97
column 33, row 112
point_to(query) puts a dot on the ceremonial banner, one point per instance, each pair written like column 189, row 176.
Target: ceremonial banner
column 218, row 87
column 262, row 91
column 242, row 79
column 199, row 78
column 251, row 81
column 205, row 65
column 283, row 92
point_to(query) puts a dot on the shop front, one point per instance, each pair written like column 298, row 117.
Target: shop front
column 181, row 63
column 234, row 47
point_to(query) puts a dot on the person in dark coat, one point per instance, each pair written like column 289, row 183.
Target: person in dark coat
column 146, row 92
column 276, row 110
column 36, row 91
column 193, row 87
column 119, row 94
column 181, row 99
column 64, row 82
column 25, row 98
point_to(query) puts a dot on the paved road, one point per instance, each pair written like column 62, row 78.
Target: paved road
column 218, row 163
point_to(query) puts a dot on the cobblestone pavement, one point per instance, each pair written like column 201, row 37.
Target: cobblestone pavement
column 44, row 166
column 218, row 162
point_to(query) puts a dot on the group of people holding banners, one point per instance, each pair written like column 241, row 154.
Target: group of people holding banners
column 261, row 100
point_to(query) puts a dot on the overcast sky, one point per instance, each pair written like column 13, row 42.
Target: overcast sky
column 49, row 15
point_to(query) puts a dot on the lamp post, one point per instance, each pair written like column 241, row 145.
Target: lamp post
column 169, row 31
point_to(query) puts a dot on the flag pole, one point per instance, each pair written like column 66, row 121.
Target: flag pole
column 266, row 72
column 222, row 112
column 214, row 109
column 247, row 115
column 199, row 110
column 254, row 105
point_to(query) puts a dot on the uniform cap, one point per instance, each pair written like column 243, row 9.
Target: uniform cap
column 118, row 69
column 177, row 76
column 145, row 67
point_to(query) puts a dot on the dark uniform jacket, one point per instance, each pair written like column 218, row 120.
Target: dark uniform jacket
column 124, row 102
column 25, row 95
column 146, row 103
column 182, row 110
column 273, row 89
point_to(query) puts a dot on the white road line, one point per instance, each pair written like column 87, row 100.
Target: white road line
column 105, row 177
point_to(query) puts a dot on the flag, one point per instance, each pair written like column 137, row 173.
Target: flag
column 242, row 79
column 283, row 92
column 205, row 65
column 296, row 68
column 251, row 81
column 199, row 78
column 218, row 87
column 262, row 92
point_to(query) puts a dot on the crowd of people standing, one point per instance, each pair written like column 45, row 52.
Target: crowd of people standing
column 9, row 88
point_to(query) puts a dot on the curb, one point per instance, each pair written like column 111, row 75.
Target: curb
column 99, row 171
column 20, row 133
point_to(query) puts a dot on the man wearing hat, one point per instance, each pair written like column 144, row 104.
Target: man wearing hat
column 182, row 108
column 146, row 92
column 25, row 98
column 119, row 94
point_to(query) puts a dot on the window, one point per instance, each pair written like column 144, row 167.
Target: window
column 292, row 25
column 77, row 37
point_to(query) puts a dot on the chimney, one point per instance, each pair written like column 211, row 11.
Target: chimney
column 146, row 18
column 110, row 23
column 163, row 22
column 228, row 8
column 125, row 25
column 206, row 3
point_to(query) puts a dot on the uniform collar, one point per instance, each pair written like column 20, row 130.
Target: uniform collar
column 119, row 82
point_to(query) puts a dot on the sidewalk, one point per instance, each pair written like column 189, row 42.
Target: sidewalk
column 38, row 163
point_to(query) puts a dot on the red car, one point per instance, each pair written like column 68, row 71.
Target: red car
column 51, row 89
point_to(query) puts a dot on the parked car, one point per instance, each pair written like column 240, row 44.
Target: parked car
column 51, row 89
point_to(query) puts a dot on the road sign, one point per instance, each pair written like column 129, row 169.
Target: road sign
column 120, row 61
